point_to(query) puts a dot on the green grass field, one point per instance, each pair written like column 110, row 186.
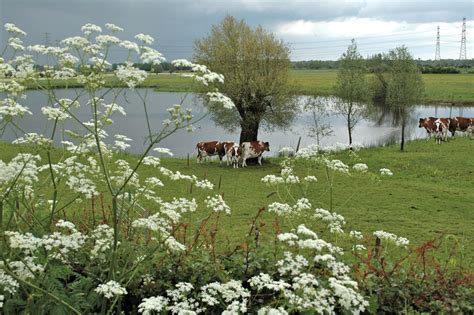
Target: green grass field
column 430, row 194
column 439, row 88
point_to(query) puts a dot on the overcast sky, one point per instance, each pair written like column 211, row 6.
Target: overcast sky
column 314, row 29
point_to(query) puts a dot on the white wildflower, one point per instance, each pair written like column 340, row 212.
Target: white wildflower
column 153, row 305
column 113, row 28
column 360, row 167
column 129, row 46
column 13, row 29
column 280, row 208
column 146, row 39
column 130, row 75
column 310, row 179
column 385, row 172
column 356, row 234
column 217, row 204
column 272, row 180
column 217, row 97
column 110, row 289
column 150, row 55
column 398, row 241
column 8, row 283
column 90, row 28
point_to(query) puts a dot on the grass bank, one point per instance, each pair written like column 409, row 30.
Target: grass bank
column 439, row 88
column 431, row 192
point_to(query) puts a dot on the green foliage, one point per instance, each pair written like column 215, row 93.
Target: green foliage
column 351, row 87
column 439, row 69
column 418, row 281
column 256, row 66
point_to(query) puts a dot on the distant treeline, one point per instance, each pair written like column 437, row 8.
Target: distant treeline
column 426, row 66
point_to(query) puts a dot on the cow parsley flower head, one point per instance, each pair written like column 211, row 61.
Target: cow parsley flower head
column 146, row 39
column 110, row 289
column 89, row 28
column 130, row 46
column 397, row 240
column 272, row 180
column 385, row 172
column 113, row 28
column 130, row 75
column 310, row 179
column 281, row 209
column 360, row 167
column 153, row 305
column 337, row 165
column 107, row 40
column 8, row 283
column 152, row 56
column 13, row 29
column 217, row 97
column 217, row 204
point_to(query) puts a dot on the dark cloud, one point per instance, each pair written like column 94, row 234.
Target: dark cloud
column 175, row 24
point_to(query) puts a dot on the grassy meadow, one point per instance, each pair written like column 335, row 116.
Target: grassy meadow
column 439, row 88
column 430, row 194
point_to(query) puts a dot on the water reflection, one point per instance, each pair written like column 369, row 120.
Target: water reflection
column 133, row 125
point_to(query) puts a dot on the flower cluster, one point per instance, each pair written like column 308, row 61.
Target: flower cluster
column 217, row 204
column 397, row 240
column 110, row 289
column 335, row 221
column 360, row 167
column 385, row 172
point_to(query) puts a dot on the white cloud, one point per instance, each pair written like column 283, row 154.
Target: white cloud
column 328, row 39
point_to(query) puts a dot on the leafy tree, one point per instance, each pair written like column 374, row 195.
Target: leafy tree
column 351, row 87
column 256, row 66
column 404, row 86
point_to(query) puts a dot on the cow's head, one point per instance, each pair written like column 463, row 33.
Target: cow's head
column 266, row 146
column 422, row 121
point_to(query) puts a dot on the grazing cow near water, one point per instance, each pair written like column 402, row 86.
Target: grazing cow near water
column 209, row 148
column 441, row 130
column 446, row 122
column 253, row 149
column 232, row 151
column 460, row 124
column 429, row 124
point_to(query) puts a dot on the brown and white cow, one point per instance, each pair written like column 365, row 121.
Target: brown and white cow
column 232, row 151
column 441, row 130
column 445, row 123
column 460, row 124
column 253, row 149
column 209, row 148
column 429, row 124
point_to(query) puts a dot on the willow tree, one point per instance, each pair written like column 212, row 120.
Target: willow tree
column 255, row 65
column 404, row 86
column 351, row 88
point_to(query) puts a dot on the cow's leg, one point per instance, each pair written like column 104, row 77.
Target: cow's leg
column 260, row 159
column 244, row 164
column 199, row 156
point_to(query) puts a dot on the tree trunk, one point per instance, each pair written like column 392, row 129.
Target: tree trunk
column 249, row 131
column 349, row 129
column 402, row 144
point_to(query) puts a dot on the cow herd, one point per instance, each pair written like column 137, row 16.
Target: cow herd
column 233, row 152
column 439, row 127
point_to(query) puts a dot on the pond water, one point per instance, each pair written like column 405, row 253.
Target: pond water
column 133, row 125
